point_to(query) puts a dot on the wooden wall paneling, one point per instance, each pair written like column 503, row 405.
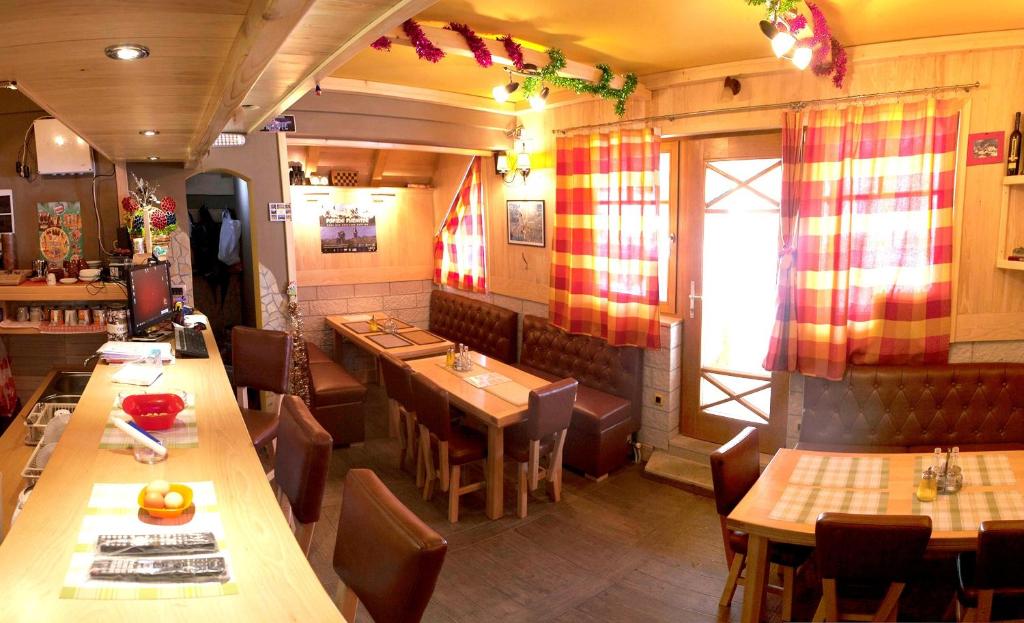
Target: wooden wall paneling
column 404, row 237
column 517, row 270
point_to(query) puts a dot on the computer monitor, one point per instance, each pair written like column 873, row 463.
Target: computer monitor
column 149, row 296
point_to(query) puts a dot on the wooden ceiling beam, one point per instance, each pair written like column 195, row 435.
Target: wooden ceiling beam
column 400, row 11
column 416, row 94
column 453, row 43
column 264, row 30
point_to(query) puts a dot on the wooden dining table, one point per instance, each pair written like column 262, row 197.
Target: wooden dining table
column 273, row 577
column 376, row 342
column 486, row 406
column 798, row 485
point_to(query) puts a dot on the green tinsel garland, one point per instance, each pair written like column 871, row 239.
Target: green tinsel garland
column 601, row 88
column 775, row 7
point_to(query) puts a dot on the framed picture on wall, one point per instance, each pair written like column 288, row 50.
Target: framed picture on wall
column 985, row 148
column 526, row 222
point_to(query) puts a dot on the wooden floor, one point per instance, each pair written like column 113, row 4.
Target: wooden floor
column 626, row 549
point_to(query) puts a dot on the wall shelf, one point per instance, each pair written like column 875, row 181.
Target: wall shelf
column 1012, row 185
column 75, row 292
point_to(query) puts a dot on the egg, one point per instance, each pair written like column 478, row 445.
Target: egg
column 173, row 500
column 158, row 486
column 153, row 500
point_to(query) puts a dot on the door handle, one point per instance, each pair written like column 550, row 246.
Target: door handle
column 694, row 297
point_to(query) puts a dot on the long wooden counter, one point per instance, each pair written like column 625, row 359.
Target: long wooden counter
column 274, row 579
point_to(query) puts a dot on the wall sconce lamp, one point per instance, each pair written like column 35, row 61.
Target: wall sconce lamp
column 509, row 164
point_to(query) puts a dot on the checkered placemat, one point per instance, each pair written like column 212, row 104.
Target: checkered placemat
column 113, row 509
column 184, row 433
column 966, row 511
column 849, row 472
column 979, row 469
column 804, row 504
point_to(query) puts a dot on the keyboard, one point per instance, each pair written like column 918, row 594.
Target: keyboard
column 190, row 343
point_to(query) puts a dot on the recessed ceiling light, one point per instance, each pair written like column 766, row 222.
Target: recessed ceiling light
column 149, row 132
column 154, row 157
column 127, row 52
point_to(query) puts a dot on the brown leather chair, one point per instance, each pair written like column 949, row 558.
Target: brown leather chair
column 867, row 559
column 261, row 360
column 996, row 569
column 456, row 445
column 300, row 467
column 385, row 555
column 397, row 377
column 735, row 467
column 543, row 432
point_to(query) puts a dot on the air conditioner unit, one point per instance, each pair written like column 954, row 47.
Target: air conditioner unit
column 59, row 151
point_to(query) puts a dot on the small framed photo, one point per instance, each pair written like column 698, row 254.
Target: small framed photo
column 985, row 148
column 526, row 222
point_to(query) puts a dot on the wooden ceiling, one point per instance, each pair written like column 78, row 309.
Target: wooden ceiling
column 653, row 36
column 207, row 59
column 375, row 167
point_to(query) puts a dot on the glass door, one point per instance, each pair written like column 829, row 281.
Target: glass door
column 732, row 188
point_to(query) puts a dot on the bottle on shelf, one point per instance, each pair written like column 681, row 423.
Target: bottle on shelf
column 1013, row 149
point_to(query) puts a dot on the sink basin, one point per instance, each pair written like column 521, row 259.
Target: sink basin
column 68, row 383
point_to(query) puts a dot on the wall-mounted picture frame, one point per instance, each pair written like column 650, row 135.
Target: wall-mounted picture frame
column 985, row 148
column 526, row 222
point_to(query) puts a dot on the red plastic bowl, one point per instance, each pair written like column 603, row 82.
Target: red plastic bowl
column 153, row 411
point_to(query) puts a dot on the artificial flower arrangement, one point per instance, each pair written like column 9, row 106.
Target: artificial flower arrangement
column 143, row 199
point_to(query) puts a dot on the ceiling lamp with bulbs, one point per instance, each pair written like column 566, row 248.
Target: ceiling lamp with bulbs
column 502, row 92
column 802, row 41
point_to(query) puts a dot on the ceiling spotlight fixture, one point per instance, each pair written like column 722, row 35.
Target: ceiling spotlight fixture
column 318, row 90
column 802, row 57
column 11, row 85
column 149, row 132
column 539, row 100
column 502, row 92
column 154, row 158
column 127, row 52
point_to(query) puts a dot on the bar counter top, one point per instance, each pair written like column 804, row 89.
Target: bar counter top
column 275, row 582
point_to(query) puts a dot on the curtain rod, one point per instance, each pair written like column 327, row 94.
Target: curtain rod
column 796, row 105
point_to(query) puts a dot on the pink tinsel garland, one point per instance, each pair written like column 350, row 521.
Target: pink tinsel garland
column 424, row 48
column 383, row 44
column 514, row 51
column 476, row 45
column 829, row 55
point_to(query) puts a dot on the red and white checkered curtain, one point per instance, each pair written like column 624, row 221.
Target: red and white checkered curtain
column 460, row 252
column 871, row 276
column 604, row 264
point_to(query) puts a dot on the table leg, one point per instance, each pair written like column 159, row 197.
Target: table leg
column 757, row 578
column 495, row 472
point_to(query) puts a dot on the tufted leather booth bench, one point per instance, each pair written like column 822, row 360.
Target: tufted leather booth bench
column 485, row 328
column 336, row 397
column 609, row 398
column 916, row 409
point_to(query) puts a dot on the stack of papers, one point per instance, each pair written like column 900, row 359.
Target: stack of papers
column 121, row 352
